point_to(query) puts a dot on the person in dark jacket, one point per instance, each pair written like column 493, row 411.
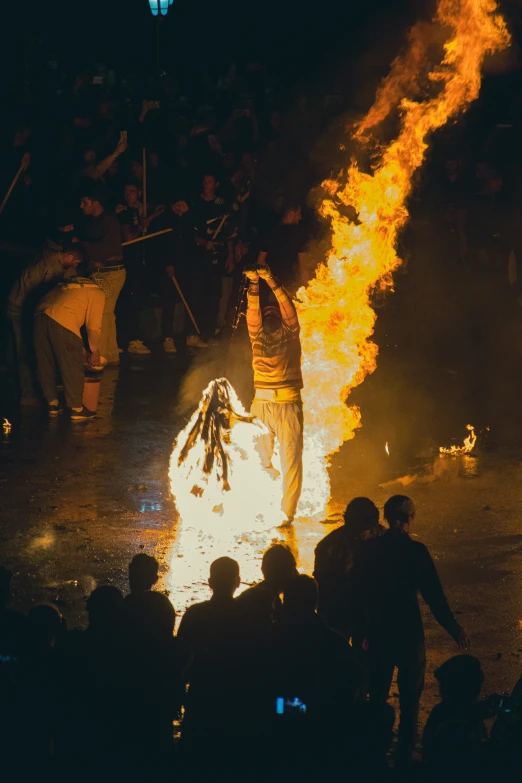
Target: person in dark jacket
column 394, row 570
column 335, row 561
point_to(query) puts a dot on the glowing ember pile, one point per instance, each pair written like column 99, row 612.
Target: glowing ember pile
column 335, row 313
column 467, row 446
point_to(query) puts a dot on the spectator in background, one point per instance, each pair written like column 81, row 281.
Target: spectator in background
column 278, row 567
column 211, row 632
column 100, row 234
column 395, row 569
column 92, row 169
column 335, row 564
column 143, row 575
column 282, row 248
column 137, row 284
column 58, row 342
column 52, row 265
column 215, row 234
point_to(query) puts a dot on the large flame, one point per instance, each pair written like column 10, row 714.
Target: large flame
column 337, row 320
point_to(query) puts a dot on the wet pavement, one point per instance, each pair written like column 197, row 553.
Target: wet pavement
column 79, row 500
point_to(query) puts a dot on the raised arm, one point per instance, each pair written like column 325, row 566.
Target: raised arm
column 288, row 311
column 254, row 318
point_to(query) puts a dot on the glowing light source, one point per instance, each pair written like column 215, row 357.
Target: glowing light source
column 467, row 446
column 386, row 449
column 6, row 426
column 160, row 7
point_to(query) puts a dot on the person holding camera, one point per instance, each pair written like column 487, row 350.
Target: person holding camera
column 276, row 360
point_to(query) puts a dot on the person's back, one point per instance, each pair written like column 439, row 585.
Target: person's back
column 71, row 304
column 219, row 704
column 394, row 570
column 336, row 559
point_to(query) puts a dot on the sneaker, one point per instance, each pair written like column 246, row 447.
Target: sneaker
column 168, row 345
column 85, row 413
column 137, row 346
column 195, row 341
column 54, row 410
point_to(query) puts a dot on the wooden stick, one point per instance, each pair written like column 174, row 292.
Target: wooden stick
column 144, row 166
column 187, row 308
column 11, row 186
column 147, row 236
column 218, row 229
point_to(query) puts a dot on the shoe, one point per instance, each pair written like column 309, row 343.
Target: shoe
column 137, row 346
column 168, row 345
column 195, row 341
column 85, row 413
column 54, row 410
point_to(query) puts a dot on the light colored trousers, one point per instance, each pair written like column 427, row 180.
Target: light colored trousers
column 108, row 340
column 285, row 422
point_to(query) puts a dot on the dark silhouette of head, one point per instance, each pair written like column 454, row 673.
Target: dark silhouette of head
column 46, row 622
column 152, row 617
column 399, row 512
column 224, row 577
column 105, row 607
column 301, row 596
column 361, row 517
column 5, row 586
column 278, row 566
column 460, row 679
column 143, row 572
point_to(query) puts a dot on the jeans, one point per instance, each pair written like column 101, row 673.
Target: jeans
column 285, row 422
column 108, row 341
column 58, row 349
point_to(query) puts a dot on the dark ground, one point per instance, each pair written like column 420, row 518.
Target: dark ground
column 78, row 501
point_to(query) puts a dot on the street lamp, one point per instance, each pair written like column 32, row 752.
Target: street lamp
column 160, row 7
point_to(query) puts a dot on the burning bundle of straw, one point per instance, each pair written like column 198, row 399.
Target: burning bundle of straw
column 205, row 446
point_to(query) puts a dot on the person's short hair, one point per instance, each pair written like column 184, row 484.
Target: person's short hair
column 278, row 563
column 45, row 620
column 106, row 604
column 132, row 183
column 301, row 594
column 398, row 509
column 76, row 250
column 212, row 174
column 91, row 189
column 143, row 571
column 361, row 514
column 460, row 679
column 224, row 574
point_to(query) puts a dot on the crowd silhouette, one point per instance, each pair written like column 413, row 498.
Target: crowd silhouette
column 288, row 680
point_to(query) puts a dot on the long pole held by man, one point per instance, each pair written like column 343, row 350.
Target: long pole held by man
column 276, row 359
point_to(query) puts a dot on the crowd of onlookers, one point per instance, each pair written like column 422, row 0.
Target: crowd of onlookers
column 289, row 679
column 217, row 170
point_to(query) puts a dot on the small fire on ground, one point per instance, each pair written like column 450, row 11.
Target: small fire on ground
column 467, row 446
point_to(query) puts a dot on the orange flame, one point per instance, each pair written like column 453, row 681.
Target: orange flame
column 337, row 320
column 467, row 446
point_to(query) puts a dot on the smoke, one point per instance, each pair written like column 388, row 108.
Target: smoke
column 232, row 360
